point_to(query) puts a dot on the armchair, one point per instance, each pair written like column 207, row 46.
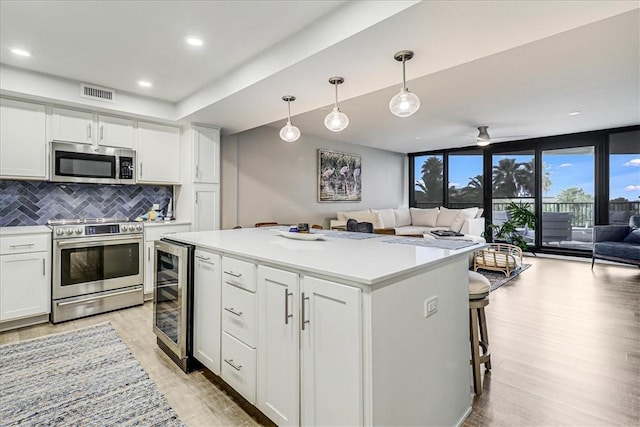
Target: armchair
column 611, row 242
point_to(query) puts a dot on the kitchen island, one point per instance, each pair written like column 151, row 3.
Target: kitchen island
column 338, row 331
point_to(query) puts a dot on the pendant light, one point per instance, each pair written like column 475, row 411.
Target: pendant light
column 336, row 120
column 289, row 132
column 404, row 103
column 483, row 138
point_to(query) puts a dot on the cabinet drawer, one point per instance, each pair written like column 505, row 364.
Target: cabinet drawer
column 239, row 273
column 239, row 314
column 153, row 232
column 24, row 243
column 239, row 367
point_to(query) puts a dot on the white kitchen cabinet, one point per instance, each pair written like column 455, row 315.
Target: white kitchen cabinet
column 279, row 335
column 72, row 126
column 158, row 154
column 25, row 276
column 206, row 154
column 331, row 353
column 22, row 130
column 152, row 232
column 206, row 310
column 310, row 335
column 116, row 132
column 207, row 211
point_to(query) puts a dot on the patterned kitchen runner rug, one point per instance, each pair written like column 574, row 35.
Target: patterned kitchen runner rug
column 497, row 278
column 86, row 377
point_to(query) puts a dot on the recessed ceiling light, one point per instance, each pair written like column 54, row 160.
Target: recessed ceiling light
column 144, row 83
column 574, row 113
column 194, row 41
column 21, row 52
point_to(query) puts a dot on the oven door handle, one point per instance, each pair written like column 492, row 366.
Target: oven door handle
column 103, row 241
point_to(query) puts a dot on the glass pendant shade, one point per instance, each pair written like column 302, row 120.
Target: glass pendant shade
column 289, row 132
column 336, row 120
column 483, row 138
column 404, row 103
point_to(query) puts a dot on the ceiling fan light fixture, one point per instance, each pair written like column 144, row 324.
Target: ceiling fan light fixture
column 404, row 103
column 289, row 132
column 336, row 120
column 483, row 138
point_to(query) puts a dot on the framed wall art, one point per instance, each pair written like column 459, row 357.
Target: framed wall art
column 339, row 177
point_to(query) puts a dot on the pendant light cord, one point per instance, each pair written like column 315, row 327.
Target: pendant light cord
column 404, row 77
column 289, row 109
column 336, row 103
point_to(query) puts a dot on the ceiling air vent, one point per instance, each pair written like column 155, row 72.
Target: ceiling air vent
column 98, row 93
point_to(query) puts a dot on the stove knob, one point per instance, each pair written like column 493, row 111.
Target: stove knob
column 78, row 230
column 69, row 231
column 59, row 232
column 124, row 227
column 139, row 227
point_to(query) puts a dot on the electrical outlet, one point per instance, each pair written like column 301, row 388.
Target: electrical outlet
column 430, row 306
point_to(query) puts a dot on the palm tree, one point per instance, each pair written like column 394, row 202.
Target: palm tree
column 431, row 185
column 506, row 177
column 474, row 191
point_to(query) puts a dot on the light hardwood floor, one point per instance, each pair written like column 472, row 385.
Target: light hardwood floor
column 565, row 350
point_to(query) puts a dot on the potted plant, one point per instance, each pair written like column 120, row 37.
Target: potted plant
column 512, row 231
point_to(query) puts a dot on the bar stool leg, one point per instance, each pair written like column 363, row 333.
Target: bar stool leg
column 484, row 338
column 475, row 352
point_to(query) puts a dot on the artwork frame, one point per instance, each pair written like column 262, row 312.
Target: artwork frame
column 339, row 176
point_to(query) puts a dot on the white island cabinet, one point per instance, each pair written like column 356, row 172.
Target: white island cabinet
column 343, row 337
column 207, row 286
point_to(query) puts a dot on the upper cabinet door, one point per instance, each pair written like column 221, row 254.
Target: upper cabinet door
column 158, row 154
column 206, row 155
column 22, row 131
column 116, row 132
column 72, row 126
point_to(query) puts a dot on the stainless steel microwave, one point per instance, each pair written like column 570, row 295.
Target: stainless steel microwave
column 82, row 163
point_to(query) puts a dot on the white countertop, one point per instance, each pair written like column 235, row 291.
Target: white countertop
column 367, row 261
column 25, row 229
column 161, row 223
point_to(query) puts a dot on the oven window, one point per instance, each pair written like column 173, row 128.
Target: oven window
column 168, row 295
column 82, row 265
column 85, row 165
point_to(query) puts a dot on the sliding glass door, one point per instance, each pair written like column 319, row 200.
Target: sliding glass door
column 624, row 176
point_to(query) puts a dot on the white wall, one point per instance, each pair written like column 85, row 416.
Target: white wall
column 267, row 179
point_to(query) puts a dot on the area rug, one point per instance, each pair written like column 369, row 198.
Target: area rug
column 497, row 278
column 86, row 377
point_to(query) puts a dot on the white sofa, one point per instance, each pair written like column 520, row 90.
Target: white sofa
column 415, row 222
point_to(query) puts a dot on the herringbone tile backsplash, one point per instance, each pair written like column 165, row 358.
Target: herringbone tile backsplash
column 36, row 202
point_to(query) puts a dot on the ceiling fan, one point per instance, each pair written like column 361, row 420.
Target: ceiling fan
column 483, row 139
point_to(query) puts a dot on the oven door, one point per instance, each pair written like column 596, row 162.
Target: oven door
column 87, row 265
column 171, row 296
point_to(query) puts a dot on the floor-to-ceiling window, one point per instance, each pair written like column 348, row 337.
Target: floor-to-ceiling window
column 465, row 186
column 624, row 176
column 428, row 181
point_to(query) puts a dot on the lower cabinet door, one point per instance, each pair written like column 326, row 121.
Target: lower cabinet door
column 25, row 285
column 149, row 268
column 331, row 354
column 206, row 309
column 278, row 346
column 239, row 367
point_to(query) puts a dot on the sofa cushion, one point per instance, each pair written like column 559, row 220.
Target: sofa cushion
column 373, row 218
column 479, row 213
column 411, row 230
column 621, row 250
column 424, row 217
column 470, row 212
column 342, row 216
column 402, row 216
column 633, row 236
column 388, row 217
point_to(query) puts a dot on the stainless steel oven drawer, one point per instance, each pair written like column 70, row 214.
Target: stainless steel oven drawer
column 90, row 304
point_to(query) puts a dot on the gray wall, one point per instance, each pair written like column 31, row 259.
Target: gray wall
column 267, row 179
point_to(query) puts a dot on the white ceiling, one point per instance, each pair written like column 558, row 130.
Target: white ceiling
column 517, row 66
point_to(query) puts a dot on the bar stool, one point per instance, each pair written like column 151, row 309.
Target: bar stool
column 478, row 300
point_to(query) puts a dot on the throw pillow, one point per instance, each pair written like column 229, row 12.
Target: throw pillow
column 470, row 212
column 402, row 216
column 447, row 216
column 633, row 236
column 458, row 222
column 480, row 212
column 373, row 218
column 424, row 217
column 344, row 216
column 388, row 217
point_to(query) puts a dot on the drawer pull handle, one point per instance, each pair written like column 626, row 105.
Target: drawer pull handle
column 303, row 321
column 26, row 245
column 287, row 294
column 204, row 258
column 230, row 362
column 231, row 273
column 232, row 311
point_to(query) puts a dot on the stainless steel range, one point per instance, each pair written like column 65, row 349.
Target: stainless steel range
column 97, row 266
